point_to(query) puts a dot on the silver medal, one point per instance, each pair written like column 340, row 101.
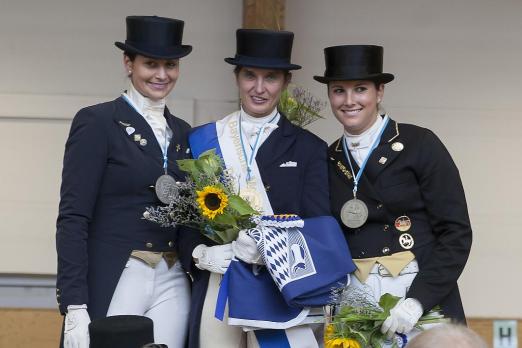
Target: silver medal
column 354, row 213
column 166, row 189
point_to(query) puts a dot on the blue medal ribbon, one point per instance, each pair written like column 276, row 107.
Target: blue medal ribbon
column 251, row 159
column 165, row 157
column 377, row 140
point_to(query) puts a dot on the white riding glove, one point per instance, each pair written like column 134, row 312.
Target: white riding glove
column 245, row 249
column 76, row 328
column 402, row 318
column 215, row 258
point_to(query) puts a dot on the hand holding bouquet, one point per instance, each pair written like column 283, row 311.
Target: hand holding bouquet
column 359, row 320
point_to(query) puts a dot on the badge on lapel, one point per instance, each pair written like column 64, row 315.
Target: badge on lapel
column 131, row 131
column 288, row 164
column 344, row 170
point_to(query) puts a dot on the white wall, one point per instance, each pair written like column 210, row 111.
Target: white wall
column 59, row 55
column 457, row 68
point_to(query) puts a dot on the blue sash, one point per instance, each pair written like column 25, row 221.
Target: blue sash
column 204, row 138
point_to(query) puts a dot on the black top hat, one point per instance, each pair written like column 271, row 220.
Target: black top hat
column 260, row 48
column 121, row 331
column 155, row 37
column 354, row 62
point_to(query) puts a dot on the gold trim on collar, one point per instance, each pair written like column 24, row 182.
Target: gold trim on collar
column 337, row 149
column 396, row 132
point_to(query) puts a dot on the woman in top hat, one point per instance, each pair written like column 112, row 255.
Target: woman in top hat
column 119, row 159
column 281, row 169
column 397, row 193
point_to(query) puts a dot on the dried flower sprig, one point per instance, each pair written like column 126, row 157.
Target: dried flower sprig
column 300, row 106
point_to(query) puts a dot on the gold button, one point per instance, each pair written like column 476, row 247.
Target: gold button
column 148, row 245
column 171, row 244
column 385, row 250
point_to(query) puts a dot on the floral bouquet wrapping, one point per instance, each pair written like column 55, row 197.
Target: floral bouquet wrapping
column 207, row 201
column 358, row 321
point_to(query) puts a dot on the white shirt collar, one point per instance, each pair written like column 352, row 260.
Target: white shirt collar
column 258, row 120
column 365, row 139
column 144, row 105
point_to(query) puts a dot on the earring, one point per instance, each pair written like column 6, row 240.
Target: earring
column 378, row 100
column 130, row 71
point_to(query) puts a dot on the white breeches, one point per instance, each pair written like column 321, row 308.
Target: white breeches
column 159, row 293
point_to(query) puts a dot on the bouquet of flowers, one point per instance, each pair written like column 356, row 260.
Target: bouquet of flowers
column 207, row 201
column 300, row 106
column 359, row 320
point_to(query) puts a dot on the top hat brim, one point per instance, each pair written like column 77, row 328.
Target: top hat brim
column 262, row 63
column 379, row 77
column 172, row 52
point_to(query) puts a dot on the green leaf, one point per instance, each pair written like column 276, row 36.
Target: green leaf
column 240, row 205
column 387, row 302
column 225, row 220
column 188, row 166
column 224, row 236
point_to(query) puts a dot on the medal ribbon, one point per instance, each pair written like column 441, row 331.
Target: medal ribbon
column 254, row 148
column 165, row 158
column 357, row 177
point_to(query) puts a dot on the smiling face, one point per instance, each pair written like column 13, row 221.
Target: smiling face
column 152, row 78
column 355, row 103
column 260, row 89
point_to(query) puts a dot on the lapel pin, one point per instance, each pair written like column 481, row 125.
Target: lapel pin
column 406, row 241
column 397, row 146
column 130, row 130
column 137, row 137
column 178, row 147
column 143, row 142
column 403, row 223
column 382, row 160
column 345, row 171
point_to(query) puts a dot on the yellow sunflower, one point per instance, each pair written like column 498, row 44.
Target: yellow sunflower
column 212, row 201
column 342, row 343
column 331, row 342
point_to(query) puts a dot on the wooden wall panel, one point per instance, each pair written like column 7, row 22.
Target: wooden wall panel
column 22, row 328
column 264, row 14
column 484, row 327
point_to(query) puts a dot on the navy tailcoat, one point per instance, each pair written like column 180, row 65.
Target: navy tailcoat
column 107, row 182
column 301, row 190
column 419, row 180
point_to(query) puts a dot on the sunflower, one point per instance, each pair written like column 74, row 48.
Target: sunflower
column 212, row 201
column 342, row 343
column 331, row 342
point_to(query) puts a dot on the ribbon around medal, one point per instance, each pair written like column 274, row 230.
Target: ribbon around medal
column 354, row 212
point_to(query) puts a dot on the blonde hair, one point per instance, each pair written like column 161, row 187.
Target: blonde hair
column 448, row 335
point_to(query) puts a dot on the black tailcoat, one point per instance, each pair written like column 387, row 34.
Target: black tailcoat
column 298, row 190
column 107, row 182
column 421, row 182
